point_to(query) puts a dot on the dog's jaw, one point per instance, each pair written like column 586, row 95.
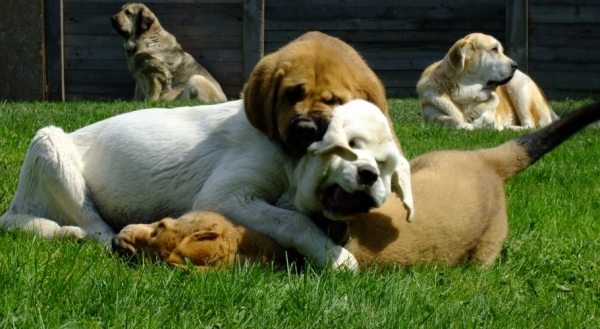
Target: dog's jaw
column 340, row 205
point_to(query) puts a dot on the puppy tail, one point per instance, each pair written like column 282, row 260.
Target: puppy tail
column 512, row 157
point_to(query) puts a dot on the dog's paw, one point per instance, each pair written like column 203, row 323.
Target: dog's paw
column 465, row 126
column 123, row 245
column 343, row 258
column 70, row 232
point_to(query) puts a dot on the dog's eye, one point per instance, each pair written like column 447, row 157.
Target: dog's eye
column 295, row 94
column 331, row 101
column 495, row 49
column 352, row 143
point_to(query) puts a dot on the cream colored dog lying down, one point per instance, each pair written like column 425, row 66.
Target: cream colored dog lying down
column 477, row 86
column 458, row 220
column 145, row 165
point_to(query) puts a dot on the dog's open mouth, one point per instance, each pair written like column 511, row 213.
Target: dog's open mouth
column 339, row 203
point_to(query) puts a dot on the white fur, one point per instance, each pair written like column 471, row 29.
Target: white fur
column 142, row 166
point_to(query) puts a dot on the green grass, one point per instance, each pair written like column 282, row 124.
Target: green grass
column 548, row 274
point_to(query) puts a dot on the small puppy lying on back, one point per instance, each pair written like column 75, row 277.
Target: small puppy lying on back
column 459, row 220
column 477, row 86
column 160, row 67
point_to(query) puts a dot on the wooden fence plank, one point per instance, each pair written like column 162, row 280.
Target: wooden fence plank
column 554, row 14
column 164, row 1
column 368, row 11
column 577, row 81
column 516, row 44
column 54, row 50
column 168, row 19
column 567, row 54
column 254, row 34
column 111, row 8
column 385, row 25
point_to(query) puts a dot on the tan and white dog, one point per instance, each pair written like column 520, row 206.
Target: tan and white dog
column 477, row 86
column 161, row 68
column 141, row 166
column 463, row 219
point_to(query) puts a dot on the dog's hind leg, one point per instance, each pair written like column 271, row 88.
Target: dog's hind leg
column 52, row 192
column 491, row 241
column 200, row 88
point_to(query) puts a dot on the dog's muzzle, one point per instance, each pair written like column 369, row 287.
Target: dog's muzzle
column 115, row 24
column 494, row 83
column 339, row 203
column 303, row 131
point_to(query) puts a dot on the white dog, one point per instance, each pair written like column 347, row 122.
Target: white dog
column 142, row 166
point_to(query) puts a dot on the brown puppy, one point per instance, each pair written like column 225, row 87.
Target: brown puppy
column 459, row 220
column 477, row 86
column 207, row 238
column 290, row 93
column 160, row 67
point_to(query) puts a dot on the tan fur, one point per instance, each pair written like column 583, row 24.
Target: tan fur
column 458, row 220
column 208, row 239
column 304, row 80
column 160, row 67
column 477, row 86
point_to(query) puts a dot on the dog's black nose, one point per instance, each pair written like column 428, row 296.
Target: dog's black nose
column 305, row 130
column 514, row 66
column 367, row 175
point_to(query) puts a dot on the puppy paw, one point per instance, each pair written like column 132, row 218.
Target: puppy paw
column 341, row 258
column 70, row 232
column 123, row 245
column 465, row 126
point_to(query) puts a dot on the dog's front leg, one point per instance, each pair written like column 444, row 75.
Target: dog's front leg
column 442, row 110
column 291, row 229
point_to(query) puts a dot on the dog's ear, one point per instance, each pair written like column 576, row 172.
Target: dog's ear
column 260, row 94
column 335, row 142
column 402, row 187
column 145, row 18
column 204, row 236
column 454, row 62
column 374, row 92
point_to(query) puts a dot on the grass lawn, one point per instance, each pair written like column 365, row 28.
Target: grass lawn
column 548, row 274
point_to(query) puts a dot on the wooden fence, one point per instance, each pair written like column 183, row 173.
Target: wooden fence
column 555, row 41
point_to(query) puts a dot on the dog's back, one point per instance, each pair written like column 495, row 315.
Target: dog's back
column 459, row 201
column 523, row 103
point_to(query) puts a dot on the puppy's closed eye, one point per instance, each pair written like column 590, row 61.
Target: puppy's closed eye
column 295, row 94
column 332, row 101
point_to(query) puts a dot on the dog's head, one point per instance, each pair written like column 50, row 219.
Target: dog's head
column 479, row 57
column 355, row 167
column 133, row 20
column 290, row 93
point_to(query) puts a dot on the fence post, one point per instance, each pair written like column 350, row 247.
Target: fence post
column 254, row 34
column 517, row 27
column 53, row 37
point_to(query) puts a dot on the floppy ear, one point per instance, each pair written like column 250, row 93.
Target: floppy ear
column 454, row 63
column 204, row 236
column 374, row 92
column 401, row 185
column 260, row 95
column 146, row 18
column 334, row 141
